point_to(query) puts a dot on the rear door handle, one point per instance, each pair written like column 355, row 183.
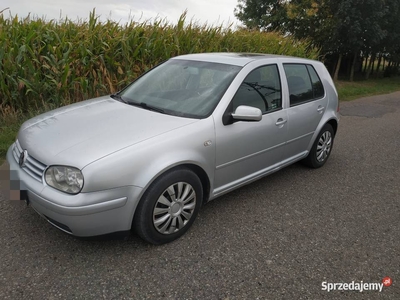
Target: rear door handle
column 320, row 109
column 280, row 122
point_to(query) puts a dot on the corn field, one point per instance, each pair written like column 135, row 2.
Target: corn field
column 46, row 64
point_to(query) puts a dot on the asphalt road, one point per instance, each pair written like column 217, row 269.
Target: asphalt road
column 278, row 238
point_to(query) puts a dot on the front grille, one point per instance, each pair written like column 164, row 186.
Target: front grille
column 32, row 166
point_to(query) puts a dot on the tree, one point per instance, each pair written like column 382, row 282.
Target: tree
column 300, row 18
column 266, row 15
column 391, row 41
column 360, row 24
column 341, row 28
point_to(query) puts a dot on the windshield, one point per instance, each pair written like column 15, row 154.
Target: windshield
column 182, row 87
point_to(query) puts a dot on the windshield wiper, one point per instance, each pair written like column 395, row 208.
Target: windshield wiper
column 140, row 104
column 118, row 97
column 148, row 107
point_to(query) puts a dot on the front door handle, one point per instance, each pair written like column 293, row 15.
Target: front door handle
column 280, row 122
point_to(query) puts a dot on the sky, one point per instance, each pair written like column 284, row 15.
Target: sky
column 212, row 12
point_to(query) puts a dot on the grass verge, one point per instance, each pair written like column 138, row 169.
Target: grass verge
column 352, row 90
column 9, row 126
column 10, row 122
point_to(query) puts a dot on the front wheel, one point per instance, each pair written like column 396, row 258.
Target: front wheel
column 321, row 149
column 169, row 206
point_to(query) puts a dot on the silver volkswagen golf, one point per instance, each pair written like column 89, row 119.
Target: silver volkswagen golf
column 191, row 129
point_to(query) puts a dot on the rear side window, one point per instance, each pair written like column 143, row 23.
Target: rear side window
column 304, row 83
column 318, row 88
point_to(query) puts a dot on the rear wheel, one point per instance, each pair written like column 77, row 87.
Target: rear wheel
column 169, row 207
column 321, row 148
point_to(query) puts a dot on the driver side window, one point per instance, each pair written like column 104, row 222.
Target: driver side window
column 261, row 88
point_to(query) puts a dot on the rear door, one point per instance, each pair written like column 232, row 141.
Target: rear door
column 308, row 102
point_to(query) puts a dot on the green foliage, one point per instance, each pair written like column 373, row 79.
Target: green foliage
column 267, row 15
column 360, row 24
column 49, row 64
column 355, row 27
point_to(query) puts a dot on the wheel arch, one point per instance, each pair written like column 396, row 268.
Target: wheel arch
column 334, row 125
column 333, row 122
column 205, row 181
column 199, row 171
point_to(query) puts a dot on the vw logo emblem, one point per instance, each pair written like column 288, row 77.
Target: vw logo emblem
column 22, row 158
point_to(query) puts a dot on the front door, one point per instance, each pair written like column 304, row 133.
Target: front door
column 247, row 150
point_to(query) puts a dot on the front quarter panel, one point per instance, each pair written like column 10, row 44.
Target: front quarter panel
column 141, row 164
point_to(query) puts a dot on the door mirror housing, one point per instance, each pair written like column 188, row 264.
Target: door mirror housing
column 247, row 113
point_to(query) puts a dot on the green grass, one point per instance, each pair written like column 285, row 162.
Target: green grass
column 10, row 122
column 8, row 131
column 357, row 89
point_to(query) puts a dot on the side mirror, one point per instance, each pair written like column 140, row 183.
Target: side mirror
column 247, row 113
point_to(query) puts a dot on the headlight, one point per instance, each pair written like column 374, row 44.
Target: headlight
column 66, row 179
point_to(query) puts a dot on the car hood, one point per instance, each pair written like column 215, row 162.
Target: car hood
column 81, row 133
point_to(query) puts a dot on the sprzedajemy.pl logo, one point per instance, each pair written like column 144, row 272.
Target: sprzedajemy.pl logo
column 356, row 286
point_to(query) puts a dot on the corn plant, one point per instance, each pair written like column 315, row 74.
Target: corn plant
column 47, row 64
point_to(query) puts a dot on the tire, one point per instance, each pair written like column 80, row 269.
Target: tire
column 321, row 149
column 162, row 216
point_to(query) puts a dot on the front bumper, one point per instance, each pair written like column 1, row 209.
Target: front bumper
column 84, row 214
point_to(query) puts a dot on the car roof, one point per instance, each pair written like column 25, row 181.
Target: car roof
column 237, row 59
